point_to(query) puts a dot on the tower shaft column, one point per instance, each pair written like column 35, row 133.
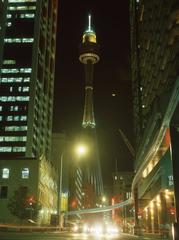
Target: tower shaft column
column 89, row 69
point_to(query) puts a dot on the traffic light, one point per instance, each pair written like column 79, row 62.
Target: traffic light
column 74, row 203
column 30, row 200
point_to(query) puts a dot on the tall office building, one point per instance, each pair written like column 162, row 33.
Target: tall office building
column 89, row 55
column 27, row 63
column 27, row 77
column 155, row 83
column 122, row 182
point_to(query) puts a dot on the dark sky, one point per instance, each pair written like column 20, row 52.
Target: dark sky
column 110, row 20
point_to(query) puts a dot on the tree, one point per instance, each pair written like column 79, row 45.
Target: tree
column 22, row 205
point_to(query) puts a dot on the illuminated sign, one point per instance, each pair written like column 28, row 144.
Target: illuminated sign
column 170, row 180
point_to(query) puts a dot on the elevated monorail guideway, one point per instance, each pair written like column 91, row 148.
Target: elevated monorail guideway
column 100, row 209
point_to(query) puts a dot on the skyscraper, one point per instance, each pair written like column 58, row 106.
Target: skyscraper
column 27, row 63
column 27, row 77
column 155, row 83
column 89, row 55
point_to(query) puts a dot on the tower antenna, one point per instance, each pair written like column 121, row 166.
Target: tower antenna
column 89, row 22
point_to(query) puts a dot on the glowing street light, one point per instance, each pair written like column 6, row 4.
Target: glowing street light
column 103, row 199
column 81, row 150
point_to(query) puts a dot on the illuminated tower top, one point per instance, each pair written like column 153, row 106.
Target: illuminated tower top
column 89, row 35
column 89, row 48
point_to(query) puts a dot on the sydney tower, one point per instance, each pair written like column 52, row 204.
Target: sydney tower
column 89, row 55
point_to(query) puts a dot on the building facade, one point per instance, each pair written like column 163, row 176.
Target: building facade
column 27, row 63
column 124, row 217
column 155, row 83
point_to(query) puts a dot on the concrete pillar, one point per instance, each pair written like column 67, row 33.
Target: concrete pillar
column 136, row 218
column 174, row 134
column 155, row 217
column 149, row 225
column 163, row 214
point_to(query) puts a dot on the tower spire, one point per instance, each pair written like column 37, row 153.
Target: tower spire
column 89, row 23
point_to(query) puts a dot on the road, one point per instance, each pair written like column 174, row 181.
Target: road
column 60, row 236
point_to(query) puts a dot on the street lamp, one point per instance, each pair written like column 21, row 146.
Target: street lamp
column 80, row 150
column 60, row 189
column 103, row 199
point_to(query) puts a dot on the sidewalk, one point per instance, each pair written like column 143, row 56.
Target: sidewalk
column 26, row 228
column 149, row 236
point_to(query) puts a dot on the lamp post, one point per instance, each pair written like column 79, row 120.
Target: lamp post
column 80, row 150
column 60, row 175
column 60, row 190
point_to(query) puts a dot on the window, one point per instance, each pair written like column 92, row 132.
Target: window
column 25, row 173
column 19, row 149
column 3, row 192
column 15, row 128
column 5, row 149
column 5, row 173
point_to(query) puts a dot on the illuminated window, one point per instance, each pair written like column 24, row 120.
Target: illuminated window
column 21, row 1
column 15, row 128
column 27, row 79
column 5, row 173
column 14, row 98
column 21, row 8
column 15, row 70
column 12, row 40
column 18, row 40
column 13, row 139
column 22, row 98
column 19, row 149
column 128, row 195
column 18, row 79
column 25, row 70
column 23, row 118
column 17, row 118
column 14, row 108
column 9, row 24
column 5, row 149
column 9, row 61
column 0, row 108
column 32, row 15
column 27, row 40
column 9, row 15
column 25, row 89
column 9, row 70
column 25, row 173
column 9, row 118
column 144, row 174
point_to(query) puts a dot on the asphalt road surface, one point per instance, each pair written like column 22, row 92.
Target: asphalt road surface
column 60, row 236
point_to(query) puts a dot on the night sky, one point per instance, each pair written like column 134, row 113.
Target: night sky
column 111, row 75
